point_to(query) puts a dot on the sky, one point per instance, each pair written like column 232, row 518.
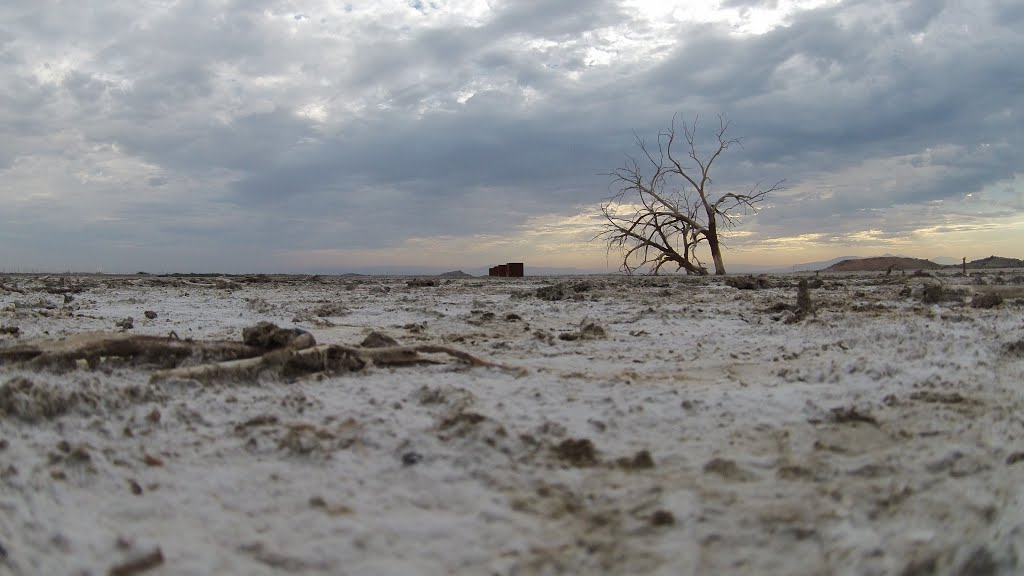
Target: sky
column 333, row 136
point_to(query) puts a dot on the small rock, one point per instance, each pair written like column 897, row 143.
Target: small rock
column 844, row 415
column 987, row 300
column 138, row 564
column 747, row 282
column 378, row 340
column 552, row 293
column 578, row 452
column 663, row 518
column 726, row 469
column 932, row 294
column 980, row 563
column 126, row 323
column 590, row 330
column 411, row 458
column 270, row 336
column 149, row 314
column 642, row 460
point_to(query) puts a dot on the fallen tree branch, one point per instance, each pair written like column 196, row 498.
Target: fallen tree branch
column 327, row 359
column 266, row 348
column 93, row 347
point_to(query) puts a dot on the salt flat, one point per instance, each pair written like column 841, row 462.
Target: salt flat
column 668, row 425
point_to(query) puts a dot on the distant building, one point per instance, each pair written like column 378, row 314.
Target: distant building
column 510, row 270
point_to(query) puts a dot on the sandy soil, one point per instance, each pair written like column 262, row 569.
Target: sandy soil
column 661, row 426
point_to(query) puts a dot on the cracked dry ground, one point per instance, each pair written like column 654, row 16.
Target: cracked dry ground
column 663, row 426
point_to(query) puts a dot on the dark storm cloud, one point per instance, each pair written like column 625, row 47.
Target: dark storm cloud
column 317, row 130
column 828, row 92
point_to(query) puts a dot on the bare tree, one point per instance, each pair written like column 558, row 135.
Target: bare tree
column 663, row 209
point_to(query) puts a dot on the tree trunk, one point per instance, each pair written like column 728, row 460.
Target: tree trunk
column 716, row 249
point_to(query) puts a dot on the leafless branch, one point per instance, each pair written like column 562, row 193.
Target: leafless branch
column 672, row 209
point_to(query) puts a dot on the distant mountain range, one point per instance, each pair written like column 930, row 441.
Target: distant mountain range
column 883, row 263
column 890, row 262
column 994, row 262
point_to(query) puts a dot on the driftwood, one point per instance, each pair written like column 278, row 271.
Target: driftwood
column 329, row 359
column 93, row 347
column 266, row 349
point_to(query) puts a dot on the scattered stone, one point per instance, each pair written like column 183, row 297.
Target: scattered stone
column 577, row 452
column 461, row 419
column 512, row 317
column 421, row 283
column 415, row 327
column 552, row 293
column 589, row 330
column 149, row 314
column 139, row 564
column 24, row 399
column 256, row 421
column 938, row 397
column 642, row 460
column 269, row 336
column 125, row 324
column 480, row 317
column 980, row 563
column 151, row 461
column 12, row 330
column 726, row 468
column 1014, row 348
column 330, row 310
column 932, row 294
column 1014, row 458
column 987, row 300
column 303, row 439
column 843, row 415
column 378, row 340
column 747, row 282
column 921, row 567
column 663, row 518
column 411, row 458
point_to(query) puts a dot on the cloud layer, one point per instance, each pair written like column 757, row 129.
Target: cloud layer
column 277, row 135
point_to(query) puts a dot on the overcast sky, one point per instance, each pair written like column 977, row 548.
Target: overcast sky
column 321, row 135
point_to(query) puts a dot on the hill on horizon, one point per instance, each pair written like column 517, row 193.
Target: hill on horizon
column 993, row 262
column 882, row 263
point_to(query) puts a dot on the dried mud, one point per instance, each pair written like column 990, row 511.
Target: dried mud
column 858, row 424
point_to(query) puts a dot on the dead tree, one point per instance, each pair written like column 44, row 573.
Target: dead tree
column 663, row 211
